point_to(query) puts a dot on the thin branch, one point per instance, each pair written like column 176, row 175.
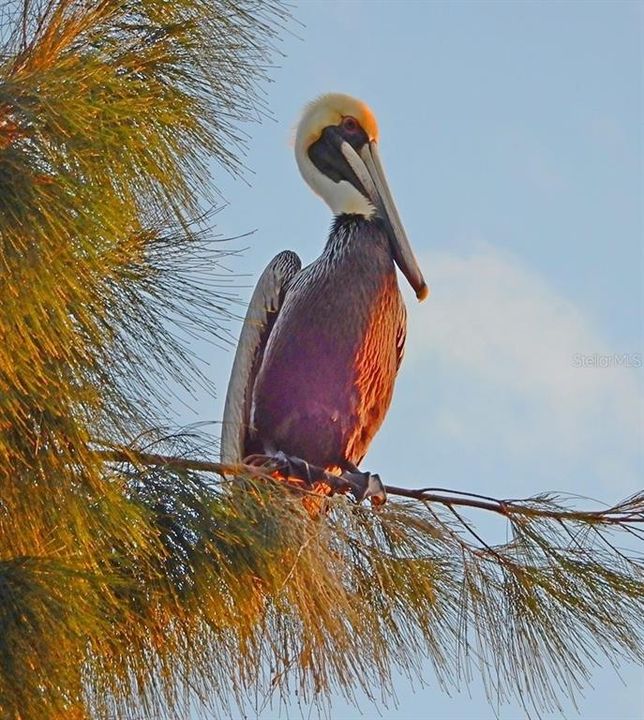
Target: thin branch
column 25, row 23
column 614, row 515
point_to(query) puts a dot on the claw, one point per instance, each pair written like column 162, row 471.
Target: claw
column 292, row 468
column 257, row 460
column 361, row 485
column 366, row 485
column 376, row 490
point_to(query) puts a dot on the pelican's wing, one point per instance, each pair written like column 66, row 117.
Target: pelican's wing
column 260, row 317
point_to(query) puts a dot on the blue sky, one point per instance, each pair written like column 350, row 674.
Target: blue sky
column 511, row 133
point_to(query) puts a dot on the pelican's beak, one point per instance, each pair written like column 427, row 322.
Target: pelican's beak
column 369, row 170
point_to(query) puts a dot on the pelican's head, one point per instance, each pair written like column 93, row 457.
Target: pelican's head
column 336, row 147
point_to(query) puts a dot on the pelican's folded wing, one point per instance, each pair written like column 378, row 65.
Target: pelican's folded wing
column 260, row 317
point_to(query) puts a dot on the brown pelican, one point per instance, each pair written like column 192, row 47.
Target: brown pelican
column 320, row 347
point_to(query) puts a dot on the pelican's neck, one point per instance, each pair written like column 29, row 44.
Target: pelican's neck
column 352, row 232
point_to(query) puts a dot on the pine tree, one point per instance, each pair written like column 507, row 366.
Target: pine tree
column 135, row 577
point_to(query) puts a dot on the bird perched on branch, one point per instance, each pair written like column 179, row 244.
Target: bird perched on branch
column 320, row 347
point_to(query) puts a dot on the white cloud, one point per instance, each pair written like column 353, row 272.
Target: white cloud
column 503, row 350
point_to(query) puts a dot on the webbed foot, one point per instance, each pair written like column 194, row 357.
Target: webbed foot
column 366, row 485
column 291, row 468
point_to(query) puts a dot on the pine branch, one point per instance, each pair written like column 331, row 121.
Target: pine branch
column 626, row 513
column 132, row 581
column 111, row 114
column 415, row 579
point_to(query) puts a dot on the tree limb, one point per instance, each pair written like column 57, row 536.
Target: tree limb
column 630, row 512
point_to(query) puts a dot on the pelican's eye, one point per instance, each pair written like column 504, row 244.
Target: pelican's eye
column 350, row 125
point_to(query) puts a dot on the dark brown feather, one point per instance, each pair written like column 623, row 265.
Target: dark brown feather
column 328, row 370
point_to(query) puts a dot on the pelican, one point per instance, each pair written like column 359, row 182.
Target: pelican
column 320, row 347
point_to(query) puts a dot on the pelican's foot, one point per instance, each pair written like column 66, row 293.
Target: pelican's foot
column 296, row 468
column 291, row 468
column 366, row 485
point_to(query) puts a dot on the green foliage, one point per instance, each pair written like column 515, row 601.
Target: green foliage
column 266, row 603
column 109, row 112
column 131, row 587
